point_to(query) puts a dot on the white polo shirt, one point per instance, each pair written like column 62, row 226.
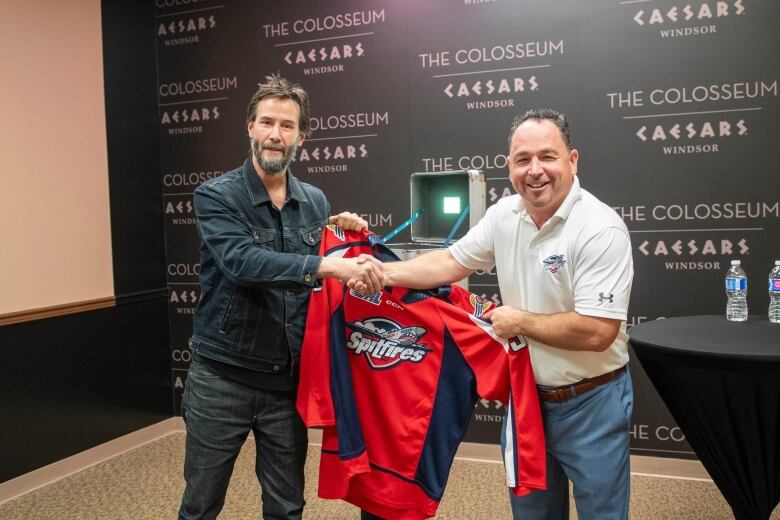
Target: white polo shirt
column 580, row 260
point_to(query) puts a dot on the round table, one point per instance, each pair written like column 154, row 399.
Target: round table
column 721, row 383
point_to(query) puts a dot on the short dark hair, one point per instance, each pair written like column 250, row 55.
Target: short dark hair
column 278, row 87
column 540, row 114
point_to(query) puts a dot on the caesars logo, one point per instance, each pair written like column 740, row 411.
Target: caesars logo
column 335, row 154
column 184, row 301
column 499, row 193
column 692, row 135
column 692, row 252
column 685, row 19
column 188, row 179
column 686, row 129
column 191, row 116
column 184, row 29
column 508, row 72
column 316, row 53
column 487, row 411
column 180, row 212
column 325, row 59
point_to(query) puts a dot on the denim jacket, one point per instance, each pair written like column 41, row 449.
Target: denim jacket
column 258, row 265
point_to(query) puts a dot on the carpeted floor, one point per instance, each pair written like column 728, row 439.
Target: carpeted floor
column 146, row 484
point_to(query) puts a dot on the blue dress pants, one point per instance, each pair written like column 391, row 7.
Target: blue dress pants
column 219, row 414
column 588, row 444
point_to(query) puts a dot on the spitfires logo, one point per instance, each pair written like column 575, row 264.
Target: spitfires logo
column 553, row 263
column 385, row 343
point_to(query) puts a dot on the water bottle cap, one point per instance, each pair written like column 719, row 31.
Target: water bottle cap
column 777, row 262
column 736, row 262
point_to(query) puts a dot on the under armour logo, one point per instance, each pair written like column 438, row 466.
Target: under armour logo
column 605, row 297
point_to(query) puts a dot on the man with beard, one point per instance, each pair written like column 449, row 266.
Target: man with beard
column 260, row 229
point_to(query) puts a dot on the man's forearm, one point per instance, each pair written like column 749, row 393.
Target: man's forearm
column 565, row 330
column 425, row 271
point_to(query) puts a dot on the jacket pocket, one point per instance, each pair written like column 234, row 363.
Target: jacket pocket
column 305, row 241
column 263, row 237
column 228, row 309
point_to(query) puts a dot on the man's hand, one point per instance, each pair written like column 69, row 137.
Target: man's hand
column 365, row 276
column 507, row 321
column 358, row 285
column 348, row 221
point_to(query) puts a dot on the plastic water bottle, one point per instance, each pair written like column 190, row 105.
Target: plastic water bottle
column 774, row 293
column 736, row 292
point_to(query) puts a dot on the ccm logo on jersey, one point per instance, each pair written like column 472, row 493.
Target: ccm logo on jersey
column 385, row 343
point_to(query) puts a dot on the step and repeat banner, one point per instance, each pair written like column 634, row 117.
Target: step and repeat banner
column 673, row 106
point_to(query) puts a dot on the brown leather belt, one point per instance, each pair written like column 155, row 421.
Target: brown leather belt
column 564, row 393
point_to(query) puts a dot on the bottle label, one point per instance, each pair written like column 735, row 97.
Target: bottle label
column 736, row 284
column 774, row 285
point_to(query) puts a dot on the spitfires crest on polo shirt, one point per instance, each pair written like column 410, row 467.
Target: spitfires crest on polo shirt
column 553, row 263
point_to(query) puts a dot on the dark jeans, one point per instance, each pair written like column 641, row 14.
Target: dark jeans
column 219, row 414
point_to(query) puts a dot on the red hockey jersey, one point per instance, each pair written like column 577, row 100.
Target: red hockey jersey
column 393, row 378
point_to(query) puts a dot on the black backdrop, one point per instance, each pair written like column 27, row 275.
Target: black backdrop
column 673, row 105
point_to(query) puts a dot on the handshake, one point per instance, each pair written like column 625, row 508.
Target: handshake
column 365, row 274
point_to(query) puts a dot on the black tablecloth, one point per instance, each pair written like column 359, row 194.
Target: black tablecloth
column 721, row 382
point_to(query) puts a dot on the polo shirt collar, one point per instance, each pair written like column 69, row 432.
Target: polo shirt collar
column 571, row 199
column 259, row 195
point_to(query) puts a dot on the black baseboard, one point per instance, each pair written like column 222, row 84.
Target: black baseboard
column 70, row 383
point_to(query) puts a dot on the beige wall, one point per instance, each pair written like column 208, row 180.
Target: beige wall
column 55, row 237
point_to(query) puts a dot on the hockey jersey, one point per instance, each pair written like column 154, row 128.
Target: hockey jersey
column 392, row 378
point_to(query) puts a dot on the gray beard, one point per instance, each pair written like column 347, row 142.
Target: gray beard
column 273, row 166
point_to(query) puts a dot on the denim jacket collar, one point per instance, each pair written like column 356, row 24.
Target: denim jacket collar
column 257, row 192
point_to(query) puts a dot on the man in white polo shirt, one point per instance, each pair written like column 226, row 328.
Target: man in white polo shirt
column 564, row 267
